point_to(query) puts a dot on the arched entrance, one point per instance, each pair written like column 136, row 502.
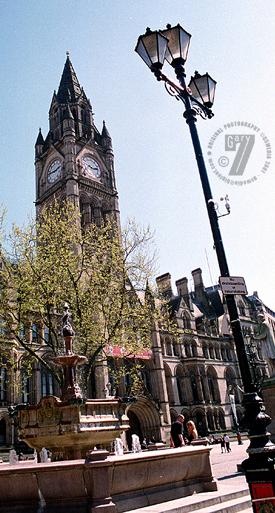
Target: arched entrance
column 135, row 429
column 2, row 432
column 144, row 420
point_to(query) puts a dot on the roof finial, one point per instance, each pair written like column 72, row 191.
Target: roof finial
column 68, row 53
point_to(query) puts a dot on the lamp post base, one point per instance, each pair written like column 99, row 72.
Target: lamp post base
column 259, row 467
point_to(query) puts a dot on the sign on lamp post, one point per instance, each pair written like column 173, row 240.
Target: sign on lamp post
column 233, row 285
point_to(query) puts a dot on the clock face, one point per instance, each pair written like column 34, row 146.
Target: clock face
column 54, row 171
column 91, row 166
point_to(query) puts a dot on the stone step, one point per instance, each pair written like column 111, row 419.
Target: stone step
column 221, row 501
column 239, row 504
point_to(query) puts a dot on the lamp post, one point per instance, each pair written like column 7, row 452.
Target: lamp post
column 172, row 45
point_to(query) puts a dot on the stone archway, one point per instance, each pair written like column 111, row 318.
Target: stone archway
column 144, row 419
column 3, row 432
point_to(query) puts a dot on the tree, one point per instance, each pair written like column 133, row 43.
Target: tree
column 96, row 270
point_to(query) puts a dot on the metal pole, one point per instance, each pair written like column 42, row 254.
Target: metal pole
column 190, row 116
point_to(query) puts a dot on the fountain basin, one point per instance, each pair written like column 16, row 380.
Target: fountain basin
column 70, row 429
column 111, row 485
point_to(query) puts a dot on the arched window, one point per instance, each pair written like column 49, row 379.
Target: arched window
column 210, row 420
column 221, row 419
column 230, row 378
column 180, row 375
column 26, row 387
column 186, row 321
column 194, row 350
column 224, row 355
column 241, row 308
column 217, row 353
column 146, row 378
column 205, row 351
column 187, row 350
column 2, row 432
column 228, row 354
column 200, row 421
column 3, row 384
column 213, row 385
column 169, row 348
column 176, row 348
column 194, row 386
column 46, row 334
column 211, row 352
column 168, row 378
column 46, row 383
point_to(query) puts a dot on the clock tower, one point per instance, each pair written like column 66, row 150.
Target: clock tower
column 75, row 161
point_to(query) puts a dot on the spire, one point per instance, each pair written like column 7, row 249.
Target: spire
column 69, row 87
column 39, row 140
column 106, row 138
column 105, row 132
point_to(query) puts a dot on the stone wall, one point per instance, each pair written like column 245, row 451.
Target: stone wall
column 111, row 485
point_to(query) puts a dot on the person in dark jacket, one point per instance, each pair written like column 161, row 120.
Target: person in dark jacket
column 176, row 438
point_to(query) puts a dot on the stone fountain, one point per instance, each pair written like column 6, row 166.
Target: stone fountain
column 69, row 426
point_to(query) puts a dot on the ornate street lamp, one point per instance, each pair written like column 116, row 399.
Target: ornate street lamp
column 198, row 98
column 178, row 44
column 151, row 47
column 202, row 88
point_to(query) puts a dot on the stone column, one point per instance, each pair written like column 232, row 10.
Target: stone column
column 101, row 378
column 206, row 387
column 174, row 383
column 199, row 387
column 188, row 389
column 159, row 374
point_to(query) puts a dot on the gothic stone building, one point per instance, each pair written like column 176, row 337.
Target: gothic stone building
column 190, row 375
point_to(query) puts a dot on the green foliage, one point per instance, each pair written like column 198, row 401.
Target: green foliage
column 97, row 271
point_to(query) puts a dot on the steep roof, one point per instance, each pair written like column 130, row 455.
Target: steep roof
column 69, row 88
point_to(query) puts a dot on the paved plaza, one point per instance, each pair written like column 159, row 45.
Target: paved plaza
column 229, row 482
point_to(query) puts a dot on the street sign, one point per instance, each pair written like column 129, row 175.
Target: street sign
column 233, row 285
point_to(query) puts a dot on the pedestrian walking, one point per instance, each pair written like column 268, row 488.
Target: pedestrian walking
column 227, row 443
column 222, row 444
column 239, row 438
column 176, row 438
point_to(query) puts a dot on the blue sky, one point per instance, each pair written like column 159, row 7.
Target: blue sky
column 156, row 172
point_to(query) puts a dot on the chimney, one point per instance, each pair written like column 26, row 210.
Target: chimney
column 182, row 288
column 198, row 285
column 164, row 285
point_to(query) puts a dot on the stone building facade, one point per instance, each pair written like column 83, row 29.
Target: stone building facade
column 190, row 374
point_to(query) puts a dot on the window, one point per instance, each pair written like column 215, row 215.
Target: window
column 213, row 386
column 217, row 353
column 176, row 348
column 169, row 349
column 205, row 352
column 212, row 354
column 26, row 387
column 241, row 308
column 46, row 383
column 194, row 387
column 186, row 321
column 46, row 334
column 3, row 384
column 187, row 350
column 194, row 350
column 34, row 333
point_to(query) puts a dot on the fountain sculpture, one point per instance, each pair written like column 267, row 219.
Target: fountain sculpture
column 69, row 426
